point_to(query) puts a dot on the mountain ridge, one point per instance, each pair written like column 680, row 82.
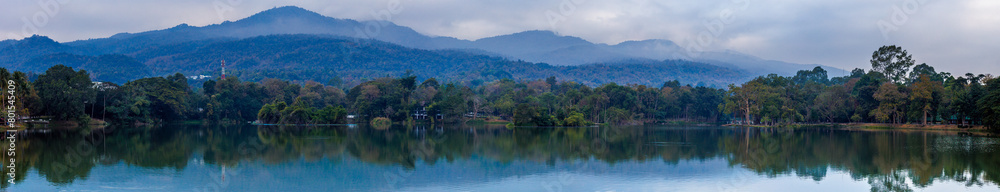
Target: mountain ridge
column 532, row 45
column 538, row 46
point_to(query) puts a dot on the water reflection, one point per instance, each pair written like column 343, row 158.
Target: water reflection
column 887, row 160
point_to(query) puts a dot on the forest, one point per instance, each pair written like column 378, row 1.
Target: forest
column 891, row 93
column 894, row 91
column 67, row 94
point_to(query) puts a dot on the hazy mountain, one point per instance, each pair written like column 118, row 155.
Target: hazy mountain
column 533, row 46
column 114, row 68
column 323, row 58
column 528, row 42
column 282, row 20
column 14, row 53
column 549, row 47
column 309, row 57
column 652, row 49
column 160, row 49
column 578, row 54
column 757, row 65
column 8, row 42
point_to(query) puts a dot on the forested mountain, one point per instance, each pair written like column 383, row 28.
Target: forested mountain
column 549, row 47
column 158, row 49
column 113, row 67
column 325, row 59
column 282, row 20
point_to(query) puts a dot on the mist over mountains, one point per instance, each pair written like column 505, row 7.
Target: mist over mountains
column 296, row 44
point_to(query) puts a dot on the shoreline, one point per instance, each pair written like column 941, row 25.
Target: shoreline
column 876, row 126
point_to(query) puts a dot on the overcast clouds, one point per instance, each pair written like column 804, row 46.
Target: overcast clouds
column 955, row 36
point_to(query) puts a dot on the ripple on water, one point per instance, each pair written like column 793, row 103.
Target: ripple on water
column 966, row 144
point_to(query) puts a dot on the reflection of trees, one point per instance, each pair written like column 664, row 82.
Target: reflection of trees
column 886, row 159
column 68, row 149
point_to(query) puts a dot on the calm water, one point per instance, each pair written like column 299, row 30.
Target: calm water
column 272, row 158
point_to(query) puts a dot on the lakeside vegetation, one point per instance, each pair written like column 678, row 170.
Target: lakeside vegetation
column 526, row 103
column 890, row 93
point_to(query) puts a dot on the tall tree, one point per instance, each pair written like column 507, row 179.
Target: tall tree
column 64, row 92
column 747, row 100
column 891, row 100
column 28, row 101
column 924, row 69
column 925, row 94
column 833, row 103
column 893, row 62
column 989, row 105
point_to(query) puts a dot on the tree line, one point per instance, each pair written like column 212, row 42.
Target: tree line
column 894, row 91
column 891, row 92
column 65, row 94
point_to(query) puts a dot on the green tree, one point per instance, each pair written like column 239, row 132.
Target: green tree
column 749, row 100
column 271, row 113
column 525, row 115
column 925, row 95
column 64, row 92
column 989, row 105
column 863, row 93
column 893, row 62
column 891, row 100
column 575, row 119
column 331, row 115
column 924, row 69
column 833, row 103
column 168, row 96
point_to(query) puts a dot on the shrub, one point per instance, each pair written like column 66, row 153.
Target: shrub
column 575, row 119
column 381, row 122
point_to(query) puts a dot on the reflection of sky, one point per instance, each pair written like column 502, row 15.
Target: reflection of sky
column 473, row 174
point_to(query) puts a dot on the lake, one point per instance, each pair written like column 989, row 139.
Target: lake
column 493, row 158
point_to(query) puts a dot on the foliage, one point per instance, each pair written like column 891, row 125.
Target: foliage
column 925, row 96
column 575, row 119
column 989, row 105
column 810, row 96
column 26, row 100
column 881, row 95
column 891, row 100
column 381, row 122
column 64, row 92
column 892, row 61
column 298, row 113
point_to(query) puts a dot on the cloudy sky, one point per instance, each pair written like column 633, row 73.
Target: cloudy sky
column 955, row 36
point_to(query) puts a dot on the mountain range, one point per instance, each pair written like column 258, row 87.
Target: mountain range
column 264, row 41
